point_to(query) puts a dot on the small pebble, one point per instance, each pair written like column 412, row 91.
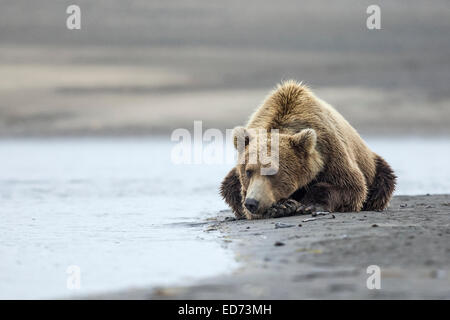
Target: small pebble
column 282, row 225
column 320, row 213
column 317, row 218
column 279, row 244
column 374, row 225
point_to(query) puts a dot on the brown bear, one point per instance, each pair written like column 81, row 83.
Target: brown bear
column 323, row 162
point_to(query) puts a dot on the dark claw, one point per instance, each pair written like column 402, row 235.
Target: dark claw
column 309, row 209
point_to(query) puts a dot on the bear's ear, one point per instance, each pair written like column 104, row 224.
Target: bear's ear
column 241, row 137
column 305, row 140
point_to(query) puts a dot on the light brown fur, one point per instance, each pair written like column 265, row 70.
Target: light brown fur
column 340, row 172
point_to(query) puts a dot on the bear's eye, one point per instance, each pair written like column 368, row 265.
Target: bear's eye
column 248, row 173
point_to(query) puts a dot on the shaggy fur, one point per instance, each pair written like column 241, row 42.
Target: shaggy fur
column 340, row 172
column 231, row 192
column 382, row 187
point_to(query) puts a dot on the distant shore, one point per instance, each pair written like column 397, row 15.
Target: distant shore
column 45, row 94
column 289, row 258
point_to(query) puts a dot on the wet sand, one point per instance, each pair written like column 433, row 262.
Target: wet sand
column 328, row 258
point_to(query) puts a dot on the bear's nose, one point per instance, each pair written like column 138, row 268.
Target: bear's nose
column 251, row 205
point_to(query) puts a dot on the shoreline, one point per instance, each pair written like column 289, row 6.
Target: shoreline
column 328, row 258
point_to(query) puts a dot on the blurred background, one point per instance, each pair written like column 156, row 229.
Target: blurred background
column 147, row 67
column 86, row 177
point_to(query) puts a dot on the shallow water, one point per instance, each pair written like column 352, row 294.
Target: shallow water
column 127, row 217
column 116, row 208
column 421, row 164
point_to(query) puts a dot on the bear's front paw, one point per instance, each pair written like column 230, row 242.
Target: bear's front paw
column 286, row 207
column 239, row 215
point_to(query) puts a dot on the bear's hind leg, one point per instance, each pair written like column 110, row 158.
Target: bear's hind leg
column 231, row 193
column 382, row 187
column 335, row 198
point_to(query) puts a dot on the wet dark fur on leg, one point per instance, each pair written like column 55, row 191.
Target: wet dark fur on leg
column 332, row 198
column 382, row 187
column 231, row 192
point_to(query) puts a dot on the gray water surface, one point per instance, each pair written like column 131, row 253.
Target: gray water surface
column 118, row 209
column 123, row 213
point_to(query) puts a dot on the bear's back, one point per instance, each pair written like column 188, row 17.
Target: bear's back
column 292, row 107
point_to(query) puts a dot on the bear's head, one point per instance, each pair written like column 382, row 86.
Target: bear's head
column 273, row 166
